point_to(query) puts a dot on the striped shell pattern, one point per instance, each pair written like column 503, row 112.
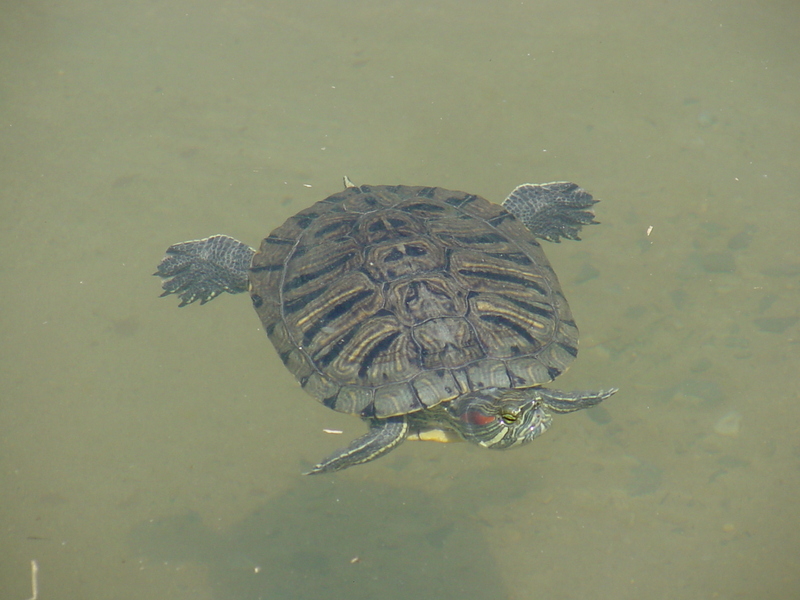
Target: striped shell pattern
column 386, row 300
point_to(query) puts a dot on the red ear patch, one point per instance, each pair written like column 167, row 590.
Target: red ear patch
column 474, row 417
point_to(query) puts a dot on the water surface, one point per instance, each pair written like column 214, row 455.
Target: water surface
column 151, row 452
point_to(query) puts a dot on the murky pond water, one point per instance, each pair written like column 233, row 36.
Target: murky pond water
column 151, row 452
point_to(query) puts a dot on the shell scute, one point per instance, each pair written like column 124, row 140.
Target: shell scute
column 386, row 300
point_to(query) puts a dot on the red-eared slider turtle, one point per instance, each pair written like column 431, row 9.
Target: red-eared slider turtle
column 429, row 313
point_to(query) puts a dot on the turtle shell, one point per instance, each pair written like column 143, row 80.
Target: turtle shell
column 387, row 300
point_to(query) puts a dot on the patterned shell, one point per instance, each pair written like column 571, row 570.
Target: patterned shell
column 385, row 300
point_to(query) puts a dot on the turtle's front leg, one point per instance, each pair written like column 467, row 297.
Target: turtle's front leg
column 563, row 402
column 383, row 436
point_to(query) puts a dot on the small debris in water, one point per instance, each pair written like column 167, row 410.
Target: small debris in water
column 34, row 580
column 729, row 425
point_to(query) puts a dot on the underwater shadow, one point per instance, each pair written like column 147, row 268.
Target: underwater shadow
column 329, row 539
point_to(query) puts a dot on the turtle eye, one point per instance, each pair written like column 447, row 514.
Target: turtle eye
column 509, row 416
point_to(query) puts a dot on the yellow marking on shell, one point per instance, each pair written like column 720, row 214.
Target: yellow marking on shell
column 510, row 270
column 492, row 308
column 331, row 302
column 434, row 435
column 366, row 341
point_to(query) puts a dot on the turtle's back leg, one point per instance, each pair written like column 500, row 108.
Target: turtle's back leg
column 552, row 210
column 203, row 269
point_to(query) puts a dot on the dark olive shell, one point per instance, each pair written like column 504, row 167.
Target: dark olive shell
column 386, row 300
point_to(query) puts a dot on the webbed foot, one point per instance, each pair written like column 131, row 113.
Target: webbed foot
column 203, row 269
column 552, row 210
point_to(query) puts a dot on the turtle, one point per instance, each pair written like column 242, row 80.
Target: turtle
column 432, row 314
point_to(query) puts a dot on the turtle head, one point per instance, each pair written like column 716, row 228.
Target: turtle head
column 499, row 418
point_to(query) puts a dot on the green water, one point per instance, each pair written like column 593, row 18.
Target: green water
column 151, row 452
